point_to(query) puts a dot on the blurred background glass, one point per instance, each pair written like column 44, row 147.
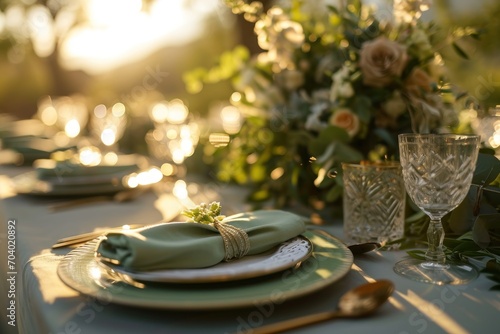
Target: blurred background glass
column 174, row 138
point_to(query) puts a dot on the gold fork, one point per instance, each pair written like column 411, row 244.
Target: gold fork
column 76, row 240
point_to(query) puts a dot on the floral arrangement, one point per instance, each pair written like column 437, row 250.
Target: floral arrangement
column 335, row 83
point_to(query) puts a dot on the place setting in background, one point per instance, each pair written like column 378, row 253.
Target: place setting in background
column 80, row 163
column 56, row 126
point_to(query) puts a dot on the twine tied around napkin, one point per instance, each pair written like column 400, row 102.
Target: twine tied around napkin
column 236, row 241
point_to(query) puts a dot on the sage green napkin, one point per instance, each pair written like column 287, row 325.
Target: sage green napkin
column 33, row 147
column 194, row 245
column 47, row 168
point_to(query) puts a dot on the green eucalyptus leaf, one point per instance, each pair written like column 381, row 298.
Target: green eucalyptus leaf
column 346, row 153
column 462, row 218
column 467, row 254
column 339, row 176
column 466, row 246
column 492, row 195
column 387, row 137
column 459, row 50
column 466, row 236
column 362, row 106
column 417, row 254
column 487, row 169
column 451, row 243
column 329, row 135
column 334, row 193
column 327, row 183
column 415, row 217
column 494, row 251
column 486, row 230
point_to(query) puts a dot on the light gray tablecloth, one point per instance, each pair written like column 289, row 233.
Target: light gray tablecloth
column 46, row 305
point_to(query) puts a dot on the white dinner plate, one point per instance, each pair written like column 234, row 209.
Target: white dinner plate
column 330, row 261
column 287, row 255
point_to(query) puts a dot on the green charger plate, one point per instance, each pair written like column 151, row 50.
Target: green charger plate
column 329, row 262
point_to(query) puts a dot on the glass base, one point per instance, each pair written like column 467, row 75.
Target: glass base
column 434, row 273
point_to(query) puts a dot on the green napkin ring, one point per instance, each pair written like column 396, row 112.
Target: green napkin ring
column 236, row 241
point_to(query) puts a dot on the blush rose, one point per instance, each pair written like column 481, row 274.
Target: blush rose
column 381, row 61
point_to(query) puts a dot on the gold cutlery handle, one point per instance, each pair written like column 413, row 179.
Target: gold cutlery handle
column 296, row 322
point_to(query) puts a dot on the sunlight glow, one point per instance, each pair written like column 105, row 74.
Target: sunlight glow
column 99, row 11
column 433, row 312
column 122, row 31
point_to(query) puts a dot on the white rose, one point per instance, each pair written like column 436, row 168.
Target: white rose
column 346, row 90
column 313, row 123
column 341, row 87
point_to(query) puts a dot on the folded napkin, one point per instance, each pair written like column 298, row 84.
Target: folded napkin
column 33, row 147
column 47, row 168
column 194, row 245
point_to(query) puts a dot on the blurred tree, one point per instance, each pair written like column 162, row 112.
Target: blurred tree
column 479, row 73
column 28, row 53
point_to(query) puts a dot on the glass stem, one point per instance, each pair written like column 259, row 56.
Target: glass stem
column 435, row 237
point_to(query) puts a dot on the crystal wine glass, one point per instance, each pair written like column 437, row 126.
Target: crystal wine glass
column 437, row 171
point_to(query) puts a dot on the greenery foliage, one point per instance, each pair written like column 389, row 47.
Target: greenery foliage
column 334, row 84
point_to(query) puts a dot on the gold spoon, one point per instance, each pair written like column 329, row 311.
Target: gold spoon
column 358, row 302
